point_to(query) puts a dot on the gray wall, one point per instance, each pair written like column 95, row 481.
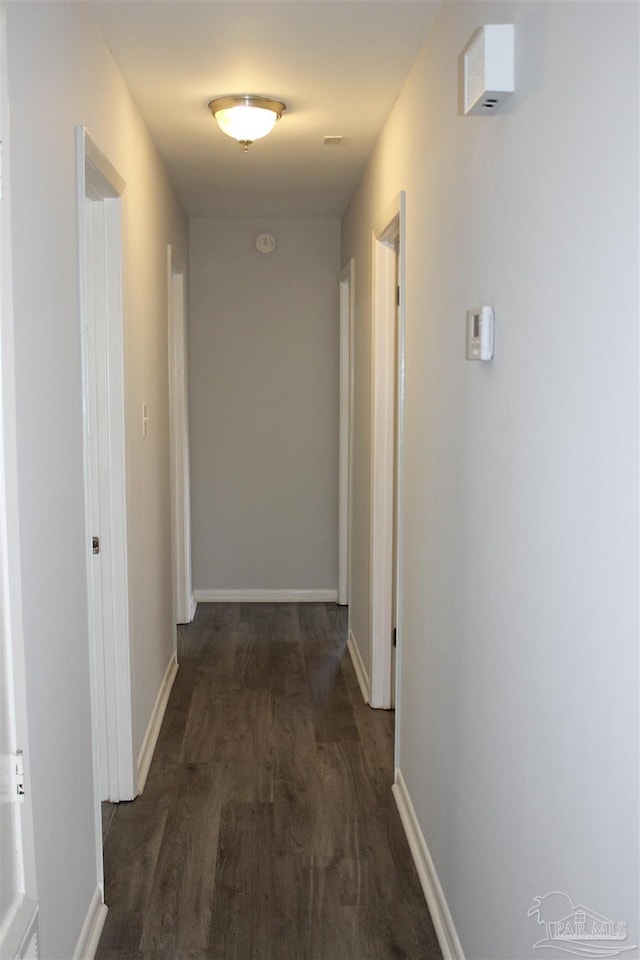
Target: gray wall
column 518, row 652
column 264, row 404
column 61, row 74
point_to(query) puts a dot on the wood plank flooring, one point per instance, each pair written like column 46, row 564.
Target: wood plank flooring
column 267, row 829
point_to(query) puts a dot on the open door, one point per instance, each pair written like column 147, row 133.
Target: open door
column 386, row 443
column 100, row 188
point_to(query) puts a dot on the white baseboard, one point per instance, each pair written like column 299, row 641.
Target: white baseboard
column 440, row 914
column 266, row 596
column 193, row 604
column 155, row 722
column 91, row 928
column 19, row 930
column 359, row 668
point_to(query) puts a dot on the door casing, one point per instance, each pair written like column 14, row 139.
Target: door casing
column 183, row 596
column 347, row 280
column 100, row 188
column 388, row 344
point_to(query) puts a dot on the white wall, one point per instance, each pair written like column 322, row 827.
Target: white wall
column 519, row 646
column 264, row 405
column 61, row 74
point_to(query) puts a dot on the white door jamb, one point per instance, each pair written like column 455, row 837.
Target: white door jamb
column 184, row 602
column 100, row 187
column 387, row 395
column 346, row 427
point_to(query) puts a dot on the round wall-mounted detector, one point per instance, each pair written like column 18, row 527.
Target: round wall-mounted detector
column 265, row 242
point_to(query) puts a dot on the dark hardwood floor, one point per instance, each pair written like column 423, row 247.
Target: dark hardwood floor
column 267, row 829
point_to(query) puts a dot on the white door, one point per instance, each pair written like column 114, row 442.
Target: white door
column 386, row 441
column 100, row 562
column 18, row 910
column 99, row 198
column 396, row 461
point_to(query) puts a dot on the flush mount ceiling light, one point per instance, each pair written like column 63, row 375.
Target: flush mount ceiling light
column 245, row 117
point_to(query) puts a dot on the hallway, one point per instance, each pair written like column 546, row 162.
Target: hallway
column 267, row 828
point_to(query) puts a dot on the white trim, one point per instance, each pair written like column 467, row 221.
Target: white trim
column 179, row 441
column 382, row 430
column 400, row 418
column 387, row 378
column 266, row 596
column 438, row 907
column 359, row 667
column 384, row 228
column 91, row 928
column 111, row 667
column 102, row 165
column 347, row 312
column 155, row 722
column 193, row 606
column 387, row 417
column 20, row 929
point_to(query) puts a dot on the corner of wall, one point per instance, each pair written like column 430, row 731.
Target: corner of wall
column 359, row 667
column 438, row 908
column 91, row 931
column 155, row 722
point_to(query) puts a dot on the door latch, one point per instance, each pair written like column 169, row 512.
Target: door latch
column 95, row 542
column 17, row 770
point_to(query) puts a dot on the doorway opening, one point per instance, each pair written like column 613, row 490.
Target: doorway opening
column 100, row 189
column 386, row 446
column 183, row 597
column 346, row 429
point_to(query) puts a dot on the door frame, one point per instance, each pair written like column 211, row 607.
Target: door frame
column 112, row 713
column 183, row 596
column 347, row 313
column 387, row 417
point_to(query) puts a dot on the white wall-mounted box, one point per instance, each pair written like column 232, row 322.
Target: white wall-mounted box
column 488, row 69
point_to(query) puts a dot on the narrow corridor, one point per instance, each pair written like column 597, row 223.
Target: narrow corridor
column 267, row 829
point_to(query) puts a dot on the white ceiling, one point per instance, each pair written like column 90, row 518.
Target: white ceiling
column 338, row 65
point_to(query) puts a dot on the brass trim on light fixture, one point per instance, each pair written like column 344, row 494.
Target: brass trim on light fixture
column 252, row 101
column 247, row 100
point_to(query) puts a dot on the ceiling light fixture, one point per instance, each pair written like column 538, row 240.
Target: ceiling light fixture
column 246, row 117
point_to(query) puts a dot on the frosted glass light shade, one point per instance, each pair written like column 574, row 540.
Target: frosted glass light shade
column 246, row 123
column 246, row 118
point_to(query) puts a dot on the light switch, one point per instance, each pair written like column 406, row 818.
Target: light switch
column 145, row 420
column 480, row 333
